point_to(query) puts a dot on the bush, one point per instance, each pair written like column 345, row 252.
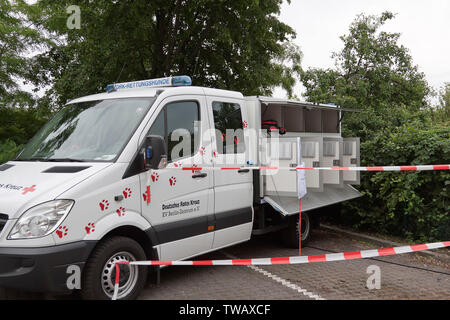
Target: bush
column 20, row 124
column 414, row 205
column 17, row 126
column 8, row 150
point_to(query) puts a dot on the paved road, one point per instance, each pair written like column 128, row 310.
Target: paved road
column 402, row 276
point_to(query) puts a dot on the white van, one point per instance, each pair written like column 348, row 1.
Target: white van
column 102, row 182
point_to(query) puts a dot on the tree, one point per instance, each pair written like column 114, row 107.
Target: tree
column 17, row 41
column 374, row 73
column 443, row 110
column 21, row 115
column 237, row 45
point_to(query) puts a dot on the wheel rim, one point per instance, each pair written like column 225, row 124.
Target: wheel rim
column 305, row 226
column 128, row 275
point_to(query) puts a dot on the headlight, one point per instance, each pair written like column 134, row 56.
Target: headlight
column 41, row 220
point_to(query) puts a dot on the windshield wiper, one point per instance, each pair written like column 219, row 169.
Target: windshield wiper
column 63, row 160
column 32, row 159
column 51, row 160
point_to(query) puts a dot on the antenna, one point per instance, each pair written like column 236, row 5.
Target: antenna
column 113, row 87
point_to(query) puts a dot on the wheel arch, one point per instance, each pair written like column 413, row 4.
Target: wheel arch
column 131, row 225
column 145, row 238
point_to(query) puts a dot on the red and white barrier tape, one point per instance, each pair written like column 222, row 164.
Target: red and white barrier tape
column 289, row 260
column 302, row 259
column 378, row 168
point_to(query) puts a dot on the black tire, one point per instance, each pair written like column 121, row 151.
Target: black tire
column 99, row 272
column 290, row 234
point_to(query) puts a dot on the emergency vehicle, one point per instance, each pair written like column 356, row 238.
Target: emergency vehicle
column 103, row 182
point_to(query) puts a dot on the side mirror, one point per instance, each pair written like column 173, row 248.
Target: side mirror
column 155, row 154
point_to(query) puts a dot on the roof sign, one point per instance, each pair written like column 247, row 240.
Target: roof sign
column 151, row 83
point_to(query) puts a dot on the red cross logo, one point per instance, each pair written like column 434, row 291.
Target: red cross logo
column 30, row 189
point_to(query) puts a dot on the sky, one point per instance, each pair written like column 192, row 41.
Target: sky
column 424, row 26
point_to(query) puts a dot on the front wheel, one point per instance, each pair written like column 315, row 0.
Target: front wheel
column 100, row 271
column 291, row 233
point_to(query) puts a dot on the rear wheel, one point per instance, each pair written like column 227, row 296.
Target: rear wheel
column 100, row 271
column 291, row 233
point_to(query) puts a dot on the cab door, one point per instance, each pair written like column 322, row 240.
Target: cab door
column 179, row 204
column 233, row 189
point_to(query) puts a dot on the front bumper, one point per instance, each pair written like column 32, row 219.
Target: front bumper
column 42, row 269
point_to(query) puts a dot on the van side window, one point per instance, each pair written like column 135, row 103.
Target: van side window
column 175, row 120
column 158, row 127
column 228, row 123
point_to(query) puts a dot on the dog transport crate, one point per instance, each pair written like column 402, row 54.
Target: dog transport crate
column 319, row 128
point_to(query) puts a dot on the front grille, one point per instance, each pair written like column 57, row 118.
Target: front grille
column 3, row 219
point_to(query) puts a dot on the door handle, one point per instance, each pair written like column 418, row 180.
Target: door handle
column 199, row 175
column 243, row 170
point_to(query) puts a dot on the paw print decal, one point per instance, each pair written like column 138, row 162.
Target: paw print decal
column 90, row 228
column 177, row 164
column 155, row 176
column 172, row 181
column 120, row 212
column 194, row 166
column 244, row 124
column 104, row 205
column 61, row 232
column 127, row 193
column 202, row 151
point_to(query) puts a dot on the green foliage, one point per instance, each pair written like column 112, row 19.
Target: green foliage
column 397, row 127
column 19, row 125
column 20, row 114
column 372, row 71
column 414, row 205
column 8, row 150
column 237, row 45
column 17, row 40
column 442, row 112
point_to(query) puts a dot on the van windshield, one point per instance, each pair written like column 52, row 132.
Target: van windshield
column 88, row 131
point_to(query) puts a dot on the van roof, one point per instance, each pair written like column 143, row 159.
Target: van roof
column 152, row 92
